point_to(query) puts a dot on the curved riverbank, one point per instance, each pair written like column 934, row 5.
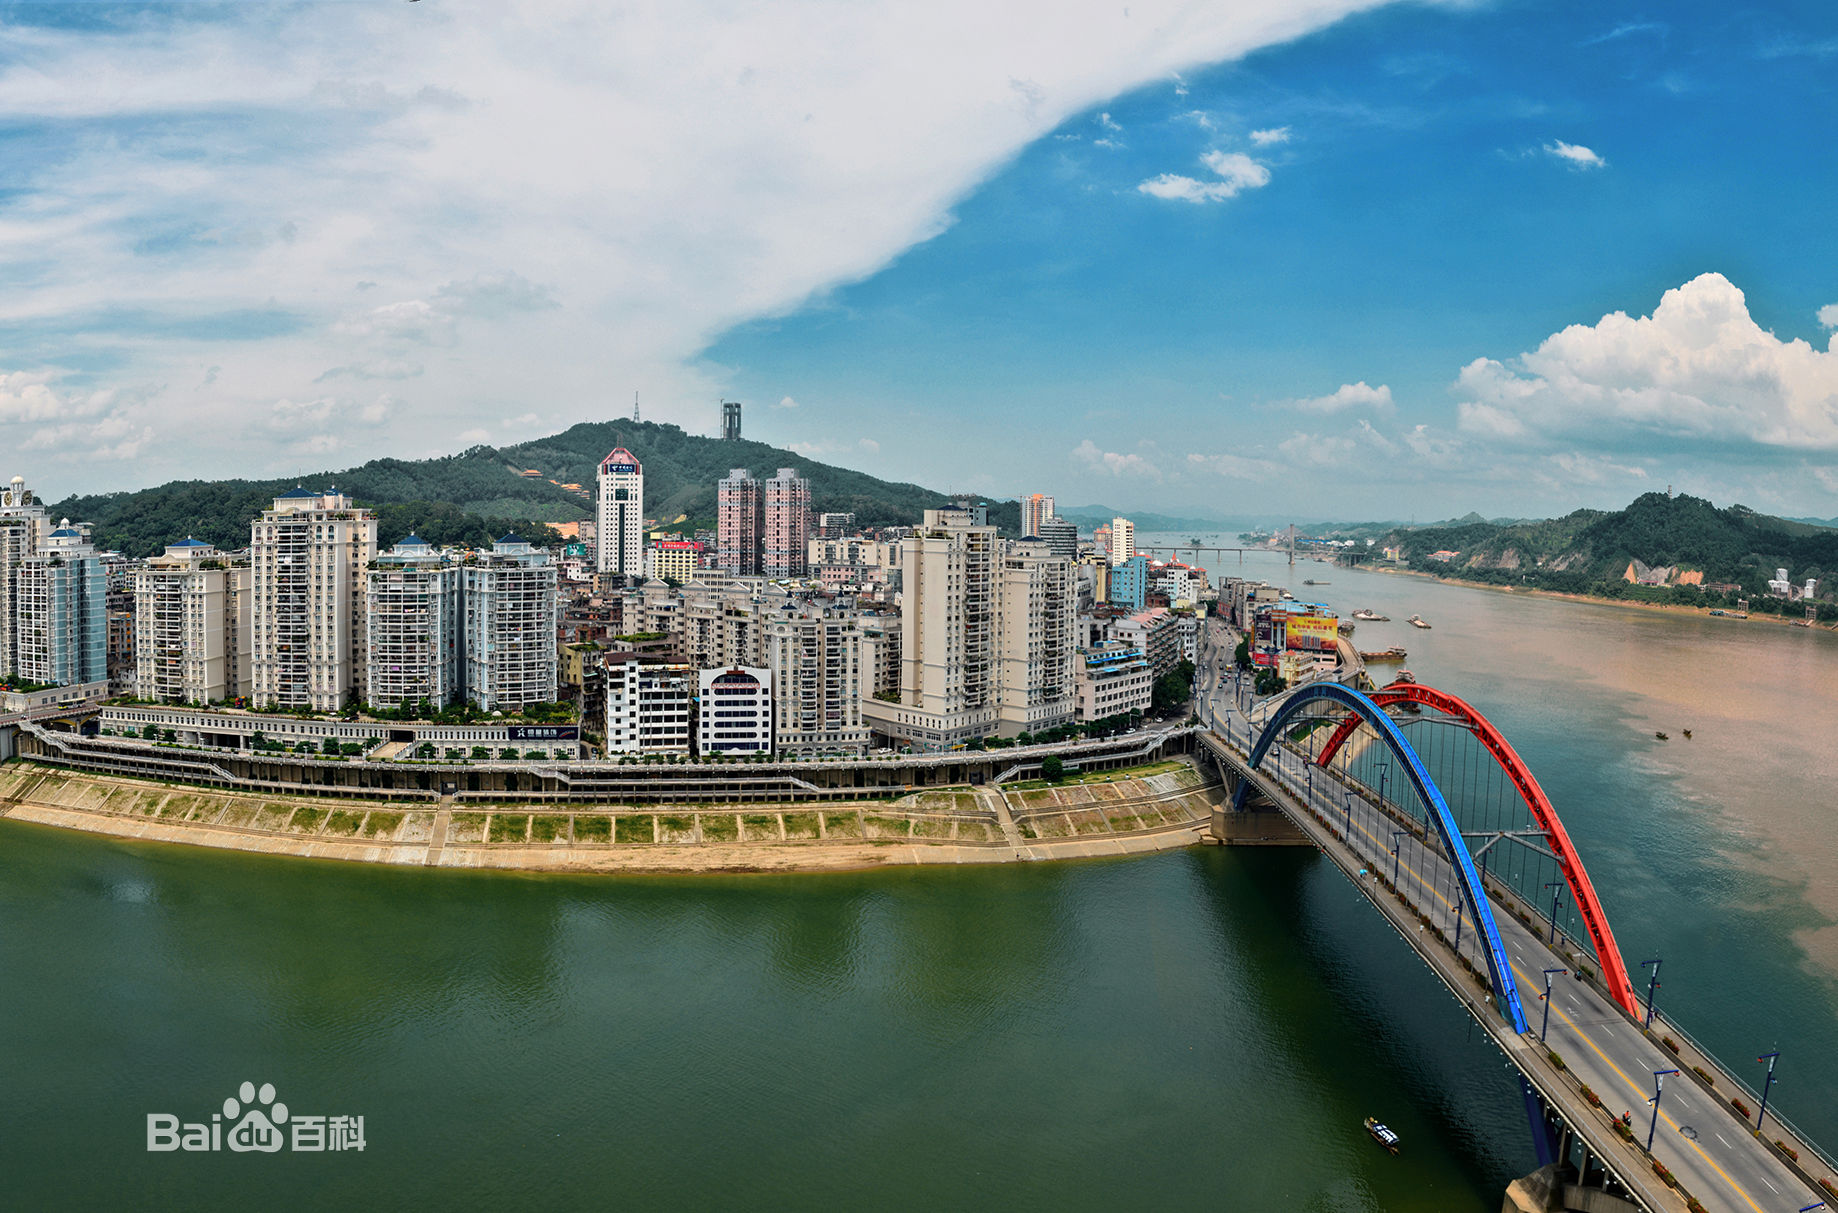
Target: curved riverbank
column 1159, row 808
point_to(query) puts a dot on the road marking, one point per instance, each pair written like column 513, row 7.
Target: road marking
column 1771, row 1187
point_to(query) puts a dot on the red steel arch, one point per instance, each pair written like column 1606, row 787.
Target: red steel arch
column 1608, row 953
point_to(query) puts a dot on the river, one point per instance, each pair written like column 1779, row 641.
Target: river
column 1197, row 1029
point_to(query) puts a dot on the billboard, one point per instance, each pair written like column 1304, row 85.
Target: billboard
column 1311, row 633
column 544, row 732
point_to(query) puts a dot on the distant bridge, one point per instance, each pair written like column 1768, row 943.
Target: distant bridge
column 1465, row 878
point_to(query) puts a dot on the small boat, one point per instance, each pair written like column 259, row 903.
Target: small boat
column 1311, row 581
column 1687, row 734
column 1416, row 621
column 1394, row 653
column 1382, row 1135
column 1371, row 616
column 1661, row 737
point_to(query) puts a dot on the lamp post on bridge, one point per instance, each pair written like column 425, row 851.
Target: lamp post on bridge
column 1770, row 1058
column 1659, row 1088
column 1559, row 886
column 1652, row 985
column 1395, row 844
column 1547, row 1001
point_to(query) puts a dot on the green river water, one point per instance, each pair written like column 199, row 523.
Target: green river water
column 1195, row 1029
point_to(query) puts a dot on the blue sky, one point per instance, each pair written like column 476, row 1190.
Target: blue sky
column 1203, row 258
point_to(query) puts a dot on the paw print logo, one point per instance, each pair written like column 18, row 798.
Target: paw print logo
column 257, row 1129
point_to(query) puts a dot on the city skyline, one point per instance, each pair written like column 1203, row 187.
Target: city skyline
column 1408, row 259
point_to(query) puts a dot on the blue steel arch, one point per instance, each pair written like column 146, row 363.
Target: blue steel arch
column 1505, row 989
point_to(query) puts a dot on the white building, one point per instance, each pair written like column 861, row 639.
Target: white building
column 1039, row 608
column 1036, row 508
column 1122, row 540
column 1155, row 632
column 734, row 711
column 307, row 556
column 1112, row 679
column 816, row 659
column 647, row 706
column 23, row 527
column 619, row 528
column 191, row 626
column 510, row 607
column 60, row 611
column 413, row 616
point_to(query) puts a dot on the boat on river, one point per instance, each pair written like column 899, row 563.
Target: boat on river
column 1311, row 581
column 1416, row 621
column 1382, row 1135
column 1394, row 653
column 1368, row 615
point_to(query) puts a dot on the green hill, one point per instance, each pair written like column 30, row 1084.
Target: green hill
column 1591, row 552
column 481, row 493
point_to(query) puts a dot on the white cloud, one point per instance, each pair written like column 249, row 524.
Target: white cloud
column 1575, row 155
column 786, row 402
column 1117, row 464
column 869, row 445
column 1105, row 121
column 29, row 396
column 1180, row 85
column 474, row 437
column 1698, row 368
column 1275, row 134
column 1349, row 396
column 1237, row 467
column 1238, row 172
column 533, row 196
column 1828, row 315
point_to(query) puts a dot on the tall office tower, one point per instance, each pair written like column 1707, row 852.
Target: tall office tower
column 307, row 556
column 60, row 611
column 784, row 537
column 1037, row 640
column 1036, row 508
column 413, row 613
column 734, row 711
column 1061, row 536
column 620, row 523
column 816, row 660
column 23, row 527
column 730, row 420
column 1122, row 540
column 510, row 605
column 191, row 625
column 739, row 520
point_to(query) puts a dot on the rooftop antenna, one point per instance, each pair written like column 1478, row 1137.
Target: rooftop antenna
column 634, row 407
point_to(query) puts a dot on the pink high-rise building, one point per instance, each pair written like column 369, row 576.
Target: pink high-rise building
column 739, row 520
column 785, row 538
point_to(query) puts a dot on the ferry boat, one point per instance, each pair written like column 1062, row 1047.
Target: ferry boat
column 1311, row 581
column 1371, row 616
column 1382, row 1135
column 1416, row 621
column 1394, row 653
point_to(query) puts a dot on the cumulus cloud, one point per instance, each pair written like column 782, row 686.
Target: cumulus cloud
column 1275, row 134
column 869, row 445
column 1574, row 154
column 1349, row 396
column 29, row 396
column 1113, row 462
column 1828, row 315
column 1236, row 467
column 786, row 402
column 536, row 197
column 1237, row 173
column 1699, row 368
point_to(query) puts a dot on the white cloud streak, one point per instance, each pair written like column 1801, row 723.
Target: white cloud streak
column 1237, row 173
column 1575, row 155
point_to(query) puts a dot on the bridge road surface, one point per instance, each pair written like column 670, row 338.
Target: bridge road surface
column 1699, row 1139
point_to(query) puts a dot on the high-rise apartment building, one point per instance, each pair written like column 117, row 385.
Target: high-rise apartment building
column 23, row 527
column 1036, row 508
column 785, row 531
column 413, row 616
column 620, row 521
column 191, row 626
column 1037, row 640
column 734, row 711
column 1061, row 536
column 60, row 611
column 510, row 606
column 816, row 660
column 307, row 556
column 739, row 519
column 1122, row 540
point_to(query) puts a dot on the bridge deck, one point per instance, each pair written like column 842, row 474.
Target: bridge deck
column 1711, row 1153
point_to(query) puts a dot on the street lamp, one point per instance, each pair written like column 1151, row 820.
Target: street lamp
column 1652, row 985
column 1559, row 886
column 1547, row 1001
column 1395, row 844
column 1770, row 1058
column 1659, row 1088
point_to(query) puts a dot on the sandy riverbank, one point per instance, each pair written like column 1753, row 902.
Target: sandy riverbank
column 1529, row 592
column 1119, row 816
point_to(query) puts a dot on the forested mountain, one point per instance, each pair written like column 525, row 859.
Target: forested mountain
column 1682, row 542
column 479, row 494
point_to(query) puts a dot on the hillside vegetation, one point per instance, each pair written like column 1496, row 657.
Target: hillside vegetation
column 1679, row 539
column 479, row 494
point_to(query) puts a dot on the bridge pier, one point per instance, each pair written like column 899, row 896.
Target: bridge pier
column 1258, row 824
column 1547, row 1191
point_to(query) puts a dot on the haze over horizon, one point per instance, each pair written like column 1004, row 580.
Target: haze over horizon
column 1366, row 260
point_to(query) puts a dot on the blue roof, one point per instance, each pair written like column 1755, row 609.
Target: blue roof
column 415, row 541
column 297, row 491
column 189, row 542
column 513, row 537
column 65, row 532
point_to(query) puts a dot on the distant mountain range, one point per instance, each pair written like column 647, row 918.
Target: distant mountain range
column 1676, row 541
column 481, row 493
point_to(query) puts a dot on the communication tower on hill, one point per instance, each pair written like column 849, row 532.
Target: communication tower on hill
column 730, row 420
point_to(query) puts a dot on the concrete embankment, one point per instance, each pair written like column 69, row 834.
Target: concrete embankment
column 1158, row 808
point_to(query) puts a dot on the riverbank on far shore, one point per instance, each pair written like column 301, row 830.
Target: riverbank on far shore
column 1163, row 807
column 1530, row 592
